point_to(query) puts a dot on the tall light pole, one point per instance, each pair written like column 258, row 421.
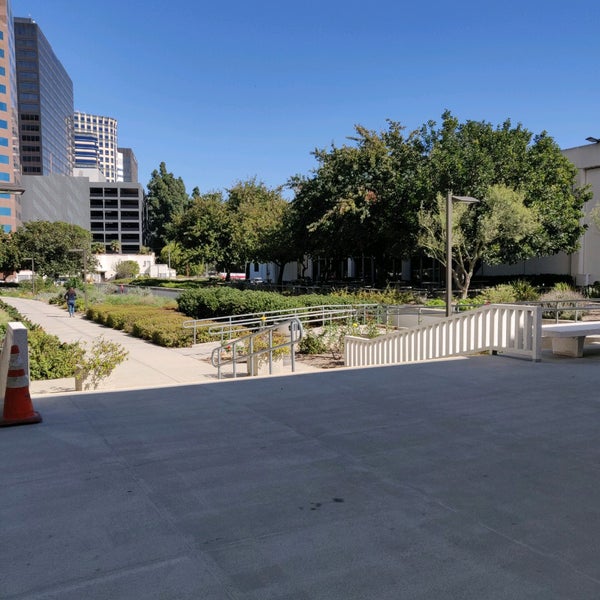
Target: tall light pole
column 449, row 201
column 32, row 275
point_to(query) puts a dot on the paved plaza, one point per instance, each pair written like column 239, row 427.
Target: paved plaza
column 464, row 479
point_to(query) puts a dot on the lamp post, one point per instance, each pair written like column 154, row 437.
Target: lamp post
column 32, row 275
column 449, row 200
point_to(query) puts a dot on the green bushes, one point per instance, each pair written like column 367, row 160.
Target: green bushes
column 560, row 298
column 162, row 326
column 49, row 358
column 206, row 303
column 210, row 302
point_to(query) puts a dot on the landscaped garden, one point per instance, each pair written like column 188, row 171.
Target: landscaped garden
column 160, row 320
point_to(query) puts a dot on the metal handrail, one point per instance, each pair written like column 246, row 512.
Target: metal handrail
column 296, row 332
column 308, row 314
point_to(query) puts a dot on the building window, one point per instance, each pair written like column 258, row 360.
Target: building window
column 4, row 211
column 3, row 124
column 3, row 71
column 3, row 106
column 3, row 141
column 3, row 159
column 2, row 89
column 4, row 177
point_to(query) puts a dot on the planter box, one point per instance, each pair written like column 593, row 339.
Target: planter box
column 259, row 365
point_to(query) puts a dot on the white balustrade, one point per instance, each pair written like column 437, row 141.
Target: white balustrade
column 503, row 328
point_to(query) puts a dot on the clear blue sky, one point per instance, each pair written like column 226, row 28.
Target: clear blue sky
column 227, row 90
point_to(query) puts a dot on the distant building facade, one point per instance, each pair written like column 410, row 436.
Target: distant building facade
column 102, row 130
column 10, row 164
column 45, row 103
column 56, row 198
column 127, row 169
column 116, row 214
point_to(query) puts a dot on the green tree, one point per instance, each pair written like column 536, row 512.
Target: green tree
column 495, row 230
column 365, row 197
column 467, row 158
column 166, row 201
column 203, row 231
column 9, row 253
column 256, row 216
column 183, row 260
column 52, row 245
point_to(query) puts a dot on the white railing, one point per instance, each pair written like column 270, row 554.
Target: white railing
column 507, row 328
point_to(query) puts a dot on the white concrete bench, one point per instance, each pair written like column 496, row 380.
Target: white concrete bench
column 568, row 338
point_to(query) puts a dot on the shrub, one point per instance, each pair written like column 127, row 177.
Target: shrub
column 311, row 344
column 560, row 298
column 126, row 269
column 97, row 362
column 49, row 358
column 525, row 291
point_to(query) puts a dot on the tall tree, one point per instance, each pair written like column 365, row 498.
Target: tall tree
column 203, row 231
column 166, row 201
column 495, row 230
column 256, row 216
column 363, row 198
column 56, row 247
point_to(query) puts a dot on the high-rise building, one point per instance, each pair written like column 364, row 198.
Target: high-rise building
column 127, row 165
column 10, row 166
column 45, row 101
column 104, row 130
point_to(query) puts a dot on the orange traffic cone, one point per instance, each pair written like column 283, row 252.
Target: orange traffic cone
column 18, row 409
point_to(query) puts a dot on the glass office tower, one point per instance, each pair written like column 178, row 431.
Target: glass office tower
column 45, row 96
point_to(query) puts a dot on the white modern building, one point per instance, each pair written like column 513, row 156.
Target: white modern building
column 108, row 265
column 96, row 143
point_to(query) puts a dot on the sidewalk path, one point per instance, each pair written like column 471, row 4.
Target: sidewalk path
column 147, row 365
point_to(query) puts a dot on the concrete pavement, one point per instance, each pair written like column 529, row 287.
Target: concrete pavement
column 466, row 479
column 147, row 365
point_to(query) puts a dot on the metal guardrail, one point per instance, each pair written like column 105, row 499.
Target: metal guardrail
column 566, row 308
column 228, row 326
column 236, row 352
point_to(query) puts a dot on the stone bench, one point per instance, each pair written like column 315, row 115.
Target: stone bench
column 568, row 338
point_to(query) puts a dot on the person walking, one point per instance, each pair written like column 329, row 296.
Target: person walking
column 70, row 297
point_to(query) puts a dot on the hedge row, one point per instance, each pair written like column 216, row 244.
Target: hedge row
column 162, row 326
column 207, row 303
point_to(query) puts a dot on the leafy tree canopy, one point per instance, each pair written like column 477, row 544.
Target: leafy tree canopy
column 495, row 230
column 55, row 247
column 368, row 197
column 9, row 253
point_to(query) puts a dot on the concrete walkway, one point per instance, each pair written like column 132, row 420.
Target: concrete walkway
column 147, row 365
column 474, row 479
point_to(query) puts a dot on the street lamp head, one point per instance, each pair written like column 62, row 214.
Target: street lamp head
column 466, row 199
column 593, row 140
